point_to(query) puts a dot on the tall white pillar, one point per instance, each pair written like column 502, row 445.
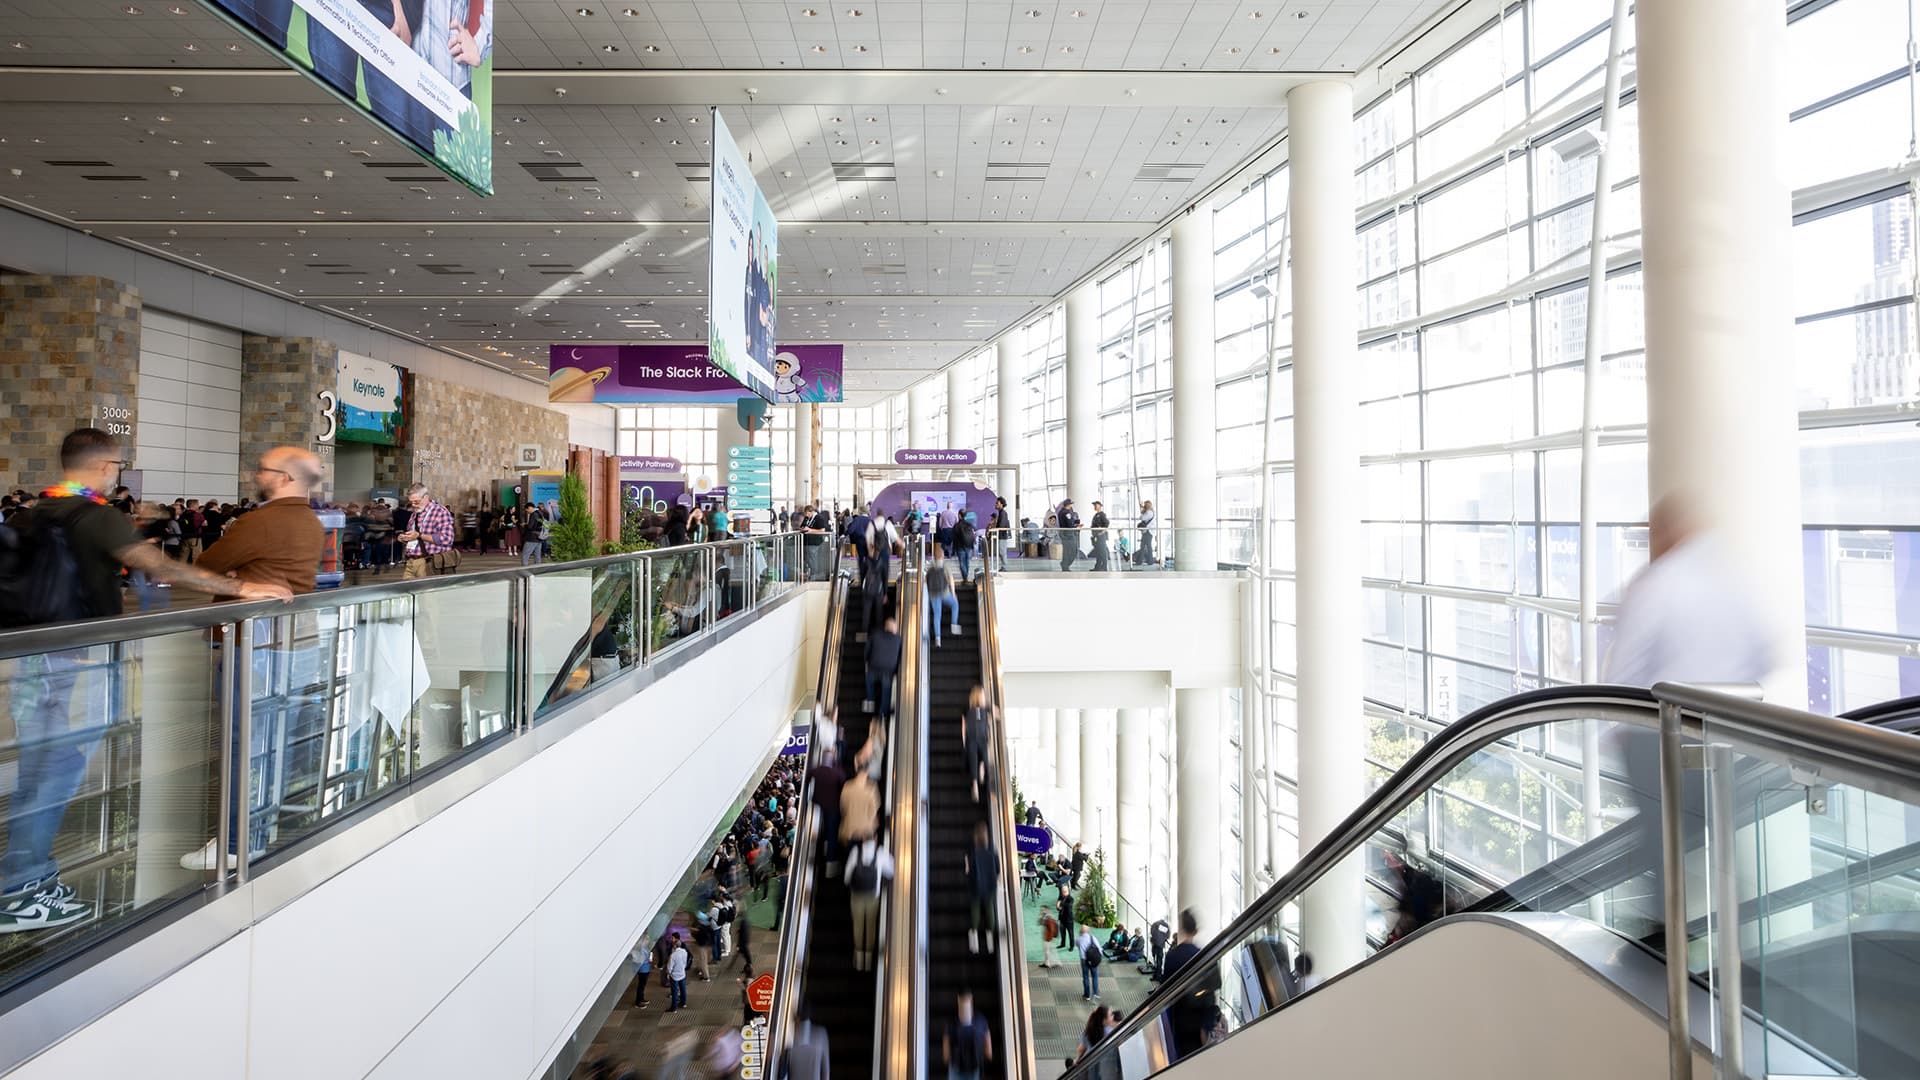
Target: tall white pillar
column 1202, row 826
column 959, row 409
column 1326, row 471
column 803, row 453
column 1066, row 771
column 1083, row 397
column 1722, row 430
column 1194, row 472
column 920, row 408
column 1046, row 770
column 1132, row 750
column 1099, row 813
column 1006, row 363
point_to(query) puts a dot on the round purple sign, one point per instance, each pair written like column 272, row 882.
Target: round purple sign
column 935, row 457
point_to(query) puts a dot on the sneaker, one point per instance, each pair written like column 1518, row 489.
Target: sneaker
column 41, row 905
column 205, row 860
column 973, row 941
column 954, row 630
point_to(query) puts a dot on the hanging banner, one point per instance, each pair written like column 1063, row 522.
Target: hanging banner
column 422, row 68
column 742, row 269
column 648, row 465
column 1031, row 839
column 682, row 375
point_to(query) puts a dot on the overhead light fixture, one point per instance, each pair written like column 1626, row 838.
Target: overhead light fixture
column 1066, row 48
column 584, row 12
column 131, row 10
column 859, row 48
column 652, row 48
column 609, row 48
column 1025, row 49
column 854, row 13
column 17, row 45
column 808, row 12
column 233, row 46
column 191, row 47
column 818, row 49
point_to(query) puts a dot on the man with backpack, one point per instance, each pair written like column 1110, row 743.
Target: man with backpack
column 869, row 868
column 61, row 561
column 967, row 1043
column 965, row 536
column 1090, row 957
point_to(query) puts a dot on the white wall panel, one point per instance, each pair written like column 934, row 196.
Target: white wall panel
column 187, row 423
column 1189, row 627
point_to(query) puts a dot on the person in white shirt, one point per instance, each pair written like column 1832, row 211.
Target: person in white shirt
column 677, row 975
column 1688, row 616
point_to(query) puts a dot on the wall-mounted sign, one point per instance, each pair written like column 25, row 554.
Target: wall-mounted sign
column 935, row 457
column 682, row 374
column 750, row 477
column 657, row 495
column 528, row 456
column 650, row 465
column 371, row 401
column 115, row 420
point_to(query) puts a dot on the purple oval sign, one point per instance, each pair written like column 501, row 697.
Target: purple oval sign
column 935, row 457
column 649, row 465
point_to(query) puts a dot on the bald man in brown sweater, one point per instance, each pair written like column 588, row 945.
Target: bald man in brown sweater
column 279, row 541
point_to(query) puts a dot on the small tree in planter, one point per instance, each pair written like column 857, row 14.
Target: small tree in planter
column 1094, row 906
column 574, row 536
column 1019, row 805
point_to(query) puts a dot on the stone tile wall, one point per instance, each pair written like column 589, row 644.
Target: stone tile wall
column 465, row 439
column 69, row 355
column 280, row 385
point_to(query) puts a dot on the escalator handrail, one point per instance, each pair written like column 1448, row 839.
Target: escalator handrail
column 797, row 909
column 908, row 995
column 1426, row 767
column 1897, row 714
column 1016, row 1010
column 1841, row 750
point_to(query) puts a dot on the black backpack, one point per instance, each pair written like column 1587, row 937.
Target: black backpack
column 963, row 534
column 39, row 576
column 865, row 877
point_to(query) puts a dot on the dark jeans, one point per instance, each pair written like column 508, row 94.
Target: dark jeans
column 1069, row 548
column 880, row 692
column 1089, row 979
column 677, row 994
column 640, row 988
column 965, row 555
column 1100, row 553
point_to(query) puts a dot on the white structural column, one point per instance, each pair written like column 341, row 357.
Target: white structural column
column 960, row 431
column 1200, row 840
column 1194, row 472
column 1722, row 431
column 1046, row 767
column 1201, row 835
column 803, row 415
column 920, row 430
column 1132, row 750
column 1083, row 397
column 1099, row 819
column 1066, row 771
column 1006, row 362
column 1328, row 603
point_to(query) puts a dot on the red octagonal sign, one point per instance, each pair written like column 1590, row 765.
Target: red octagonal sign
column 760, row 994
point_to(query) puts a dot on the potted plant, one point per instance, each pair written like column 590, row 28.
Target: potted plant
column 573, row 536
column 1094, row 905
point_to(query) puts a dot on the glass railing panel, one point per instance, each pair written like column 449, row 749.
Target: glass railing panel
column 736, row 574
column 1118, row 549
column 681, row 597
column 1813, row 914
column 109, row 778
column 773, row 575
column 465, row 637
column 583, row 622
column 334, row 694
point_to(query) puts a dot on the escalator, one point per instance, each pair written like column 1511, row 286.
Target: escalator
column 953, row 670
column 1830, row 922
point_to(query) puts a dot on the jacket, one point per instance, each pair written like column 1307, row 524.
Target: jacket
column 883, row 651
column 859, row 808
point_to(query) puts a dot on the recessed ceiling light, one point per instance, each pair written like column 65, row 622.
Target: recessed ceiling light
column 1033, row 13
column 1234, row 49
column 17, row 45
column 1274, row 51
column 163, row 118
column 583, row 12
column 1077, row 13
column 1256, row 14
column 191, row 47
column 855, row 12
column 629, row 12
column 860, row 48
column 233, row 46
column 609, row 48
column 1025, row 49
column 176, row 9
column 1301, row 14
column 1066, row 48
column 131, row 10
column 653, row 48
column 808, row 12
column 818, row 49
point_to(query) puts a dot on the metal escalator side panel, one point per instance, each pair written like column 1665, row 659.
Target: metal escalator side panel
column 1015, row 997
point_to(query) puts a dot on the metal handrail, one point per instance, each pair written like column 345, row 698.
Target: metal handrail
column 903, row 1032
column 1422, row 771
column 1015, row 997
column 85, row 633
column 796, row 910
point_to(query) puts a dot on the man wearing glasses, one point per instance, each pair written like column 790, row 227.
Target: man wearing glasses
column 431, row 531
column 279, row 542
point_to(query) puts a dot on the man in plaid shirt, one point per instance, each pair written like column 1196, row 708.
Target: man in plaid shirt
column 431, row 532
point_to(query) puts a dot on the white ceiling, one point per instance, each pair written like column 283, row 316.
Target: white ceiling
column 922, row 211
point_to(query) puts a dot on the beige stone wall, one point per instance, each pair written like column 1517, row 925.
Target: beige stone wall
column 280, row 384
column 69, row 353
column 464, row 440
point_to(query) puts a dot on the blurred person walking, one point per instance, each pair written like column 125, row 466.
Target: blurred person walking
column 967, row 1044
column 869, row 868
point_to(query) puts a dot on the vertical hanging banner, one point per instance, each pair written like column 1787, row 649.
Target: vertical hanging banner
column 742, row 270
column 750, row 477
column 682, row 375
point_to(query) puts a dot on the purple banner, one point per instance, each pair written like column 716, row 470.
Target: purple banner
column 1031, row 839
column 681, row 374
column 935, row 457
column 650, row 465
column 797, row 741
column 655, row 495
column 931, row 497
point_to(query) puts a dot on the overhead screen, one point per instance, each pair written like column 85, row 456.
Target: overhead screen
column 742, row 270
column 422, row 68
column 373, row 405
column 682, row 374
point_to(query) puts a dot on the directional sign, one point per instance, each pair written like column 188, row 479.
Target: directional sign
column 760, row 993
column 750, row 477
column 753, row 1040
